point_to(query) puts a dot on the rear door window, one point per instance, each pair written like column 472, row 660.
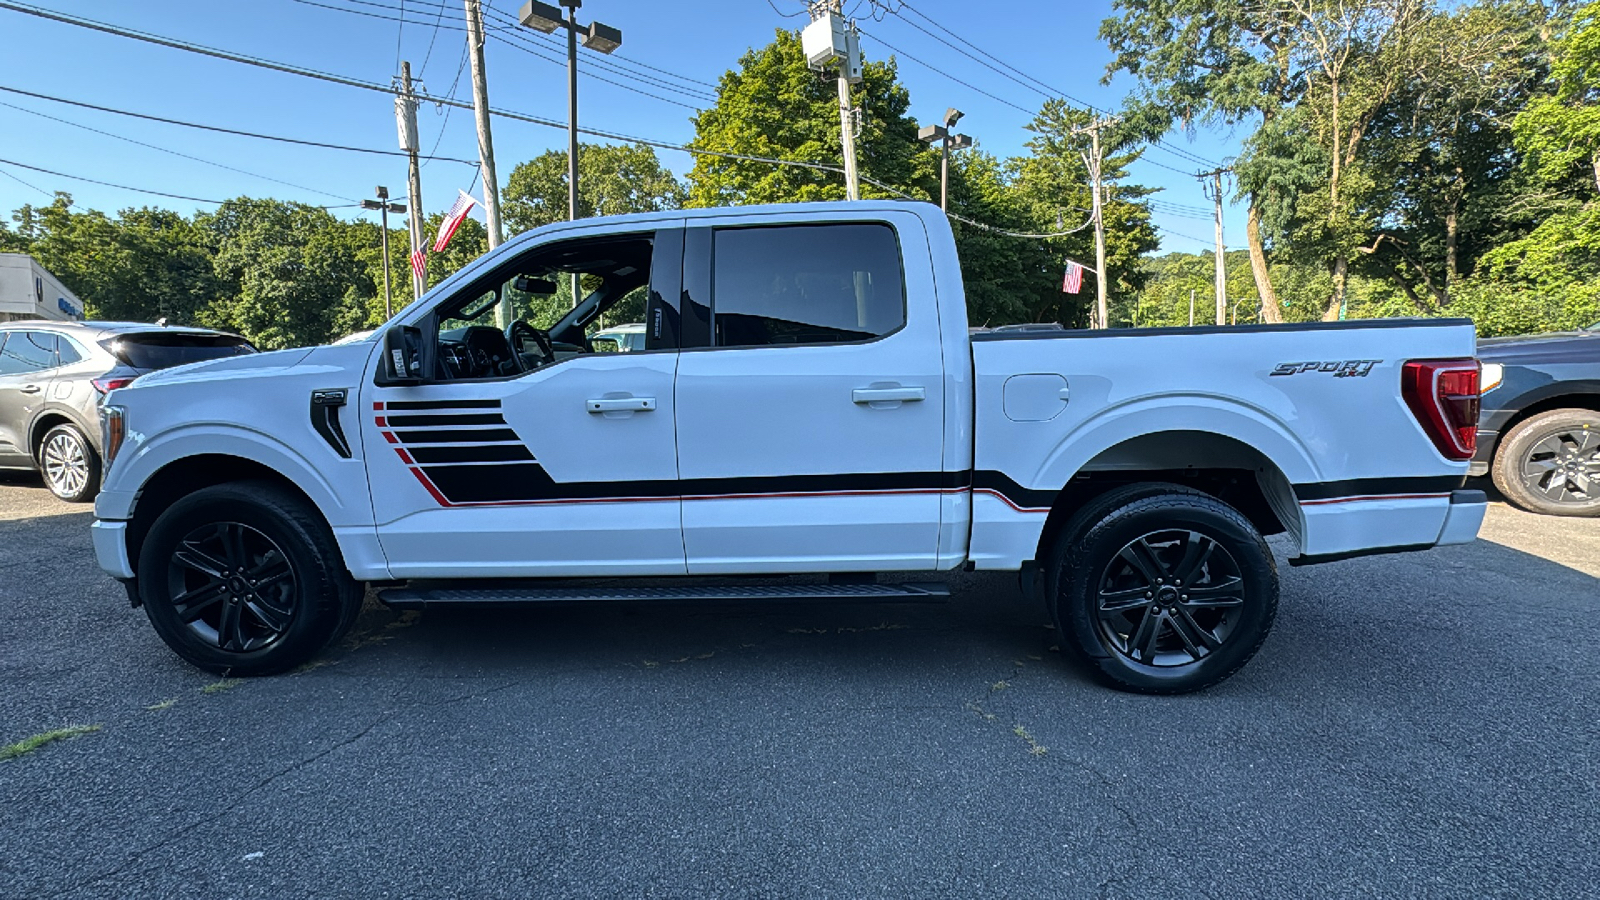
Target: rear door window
column 27, row 351
column 159, row 350
column 806, row 284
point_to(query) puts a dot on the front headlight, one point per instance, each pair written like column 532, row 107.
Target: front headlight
column 114, row 428
column 1491, row 377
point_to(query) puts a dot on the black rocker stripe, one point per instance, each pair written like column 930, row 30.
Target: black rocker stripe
column 442, row 404
column 463, row 436
column 522, row 482
column 1378, row 487
column 1001, row 483
column 461, row 419
column 476, row 453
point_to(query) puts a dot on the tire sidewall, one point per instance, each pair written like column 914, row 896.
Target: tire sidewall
column 314, row 616
column 1076, row 600
column 1510, row 456
column 91, row 484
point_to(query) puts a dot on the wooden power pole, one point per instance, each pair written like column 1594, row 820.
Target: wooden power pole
column 1092, row 161
column 480, row 111
column 406, row 115
column 1215, row 190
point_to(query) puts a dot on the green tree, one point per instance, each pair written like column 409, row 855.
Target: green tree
column 612, row 179
column 772, row 106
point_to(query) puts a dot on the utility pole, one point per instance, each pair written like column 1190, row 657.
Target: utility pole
column 1191, row 307
column 405, row 110
column 827, row 39
column 383, row 205
column 931, row 133
column 1092, row 161
column 480, row 112
column 1215, row 190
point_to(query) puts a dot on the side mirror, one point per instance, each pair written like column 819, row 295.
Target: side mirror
column 402, row 357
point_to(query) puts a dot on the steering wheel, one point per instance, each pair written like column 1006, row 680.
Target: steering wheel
column 518, row 330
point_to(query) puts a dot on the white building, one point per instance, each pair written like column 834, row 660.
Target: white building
column 28, row 291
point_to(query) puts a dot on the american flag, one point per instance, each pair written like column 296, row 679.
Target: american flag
column 452, row 220
column 1072, row 282
column 419, row 265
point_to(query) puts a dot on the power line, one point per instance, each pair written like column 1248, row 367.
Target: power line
column 124, row 187
column 33, row 112
column 932, row 67
column 219, row 129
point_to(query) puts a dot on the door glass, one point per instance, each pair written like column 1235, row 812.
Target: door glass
column 67, row 351
column 809, row 284
column 27, row 351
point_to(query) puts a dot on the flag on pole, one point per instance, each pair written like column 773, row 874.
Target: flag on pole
column 1072, row 282
column 452, row 220
column 419, row 265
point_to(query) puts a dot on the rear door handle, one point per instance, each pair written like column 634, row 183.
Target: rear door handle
column 31, row 389
column 620, row 404
column 888, row 394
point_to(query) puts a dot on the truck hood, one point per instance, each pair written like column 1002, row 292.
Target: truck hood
column 227, row 367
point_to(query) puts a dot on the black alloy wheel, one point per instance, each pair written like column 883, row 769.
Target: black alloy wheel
column 232, row 586
column 1550, row 463
column 1169, row 592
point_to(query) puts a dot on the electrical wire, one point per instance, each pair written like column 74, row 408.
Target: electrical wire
column 34, row 112
column 219, row 129
column 12, row 162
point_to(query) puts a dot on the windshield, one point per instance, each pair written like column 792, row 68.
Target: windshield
column 163, row 350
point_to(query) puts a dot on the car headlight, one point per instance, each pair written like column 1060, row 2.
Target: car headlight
column 114, row 428
column 1490, row 378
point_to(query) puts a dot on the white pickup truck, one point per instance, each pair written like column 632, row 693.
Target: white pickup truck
column 809, row 402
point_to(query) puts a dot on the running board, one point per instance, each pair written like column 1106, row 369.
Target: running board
column 413, row 598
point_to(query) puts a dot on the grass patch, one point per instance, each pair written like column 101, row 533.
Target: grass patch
column 165, row 704
column 30, row 744
column 1034, row 747
column 226, row 684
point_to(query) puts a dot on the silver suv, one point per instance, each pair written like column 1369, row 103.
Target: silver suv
column 54, row 375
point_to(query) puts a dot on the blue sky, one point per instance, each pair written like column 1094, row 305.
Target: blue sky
column 1055, row 42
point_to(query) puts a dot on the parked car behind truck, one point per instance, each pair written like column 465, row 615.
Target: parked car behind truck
column 808, row 402
column 53, row 376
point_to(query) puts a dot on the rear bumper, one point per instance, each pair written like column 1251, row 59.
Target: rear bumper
column 111, row 548
column 1484, row 455
column 1462, row 519
column 1461, row 523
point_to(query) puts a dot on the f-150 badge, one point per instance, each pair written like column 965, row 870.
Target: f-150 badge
column 1339, row 368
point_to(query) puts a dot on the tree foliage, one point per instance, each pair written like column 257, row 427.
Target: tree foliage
column 612, row 179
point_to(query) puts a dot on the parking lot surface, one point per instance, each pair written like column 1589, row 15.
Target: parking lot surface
column 1417, row 725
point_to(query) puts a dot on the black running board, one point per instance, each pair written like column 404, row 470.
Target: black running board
column 415, row 598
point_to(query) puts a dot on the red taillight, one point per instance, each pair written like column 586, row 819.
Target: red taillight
column 107, row 385
column 1443, row 395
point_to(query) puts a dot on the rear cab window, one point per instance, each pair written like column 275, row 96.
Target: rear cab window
column 806, row 284
column 163, row 350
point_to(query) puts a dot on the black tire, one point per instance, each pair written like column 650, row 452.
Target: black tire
column 1550, row 463
column 1192, row 642
column 70, row 467
column 245, row 579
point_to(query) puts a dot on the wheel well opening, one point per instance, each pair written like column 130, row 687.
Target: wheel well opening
column 1590, row 402
column 1223, row 467
column 182, row 477
column 42, row 428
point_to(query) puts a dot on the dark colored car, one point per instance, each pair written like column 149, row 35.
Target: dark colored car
column 54, row 375
column 1539, row 432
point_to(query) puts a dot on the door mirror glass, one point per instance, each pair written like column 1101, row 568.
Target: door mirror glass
column 402, row 357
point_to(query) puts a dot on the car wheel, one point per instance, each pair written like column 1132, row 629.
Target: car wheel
column 1165, row 594
column 70, row 467
column 244, row 579
column 1550, row 463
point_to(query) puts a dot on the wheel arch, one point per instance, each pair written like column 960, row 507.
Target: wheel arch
column 1581, row 400
column 49, row 419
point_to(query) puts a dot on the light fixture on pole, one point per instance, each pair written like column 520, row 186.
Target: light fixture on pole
column 383, row 205
column 931, row 133
column 601, row 38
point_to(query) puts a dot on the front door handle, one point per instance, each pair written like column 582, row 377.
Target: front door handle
column 620, row 404
column 888, row 394
column 31, row 389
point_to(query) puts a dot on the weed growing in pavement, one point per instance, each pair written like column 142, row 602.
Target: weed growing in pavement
column 1034, row 747
column 226, row 684
column 165, row 704
column 30, row 744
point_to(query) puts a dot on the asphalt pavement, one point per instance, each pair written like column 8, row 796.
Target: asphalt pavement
column 1421, row 725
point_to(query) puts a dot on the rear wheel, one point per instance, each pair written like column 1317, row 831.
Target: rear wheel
column 69, row 464
column 1166, row 594
column 1550, row 463
column 244, row 579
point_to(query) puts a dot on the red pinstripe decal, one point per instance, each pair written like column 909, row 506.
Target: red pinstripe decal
column 1025, row 509
column 389, row 436
column 382, row 422
column 1364, row 497
column 422, row 477
column 405, row 456
column 377, row 406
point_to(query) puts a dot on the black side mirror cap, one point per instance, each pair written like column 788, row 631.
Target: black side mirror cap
column 401, row 363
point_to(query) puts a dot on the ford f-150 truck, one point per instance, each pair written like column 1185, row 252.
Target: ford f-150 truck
column 809, row 402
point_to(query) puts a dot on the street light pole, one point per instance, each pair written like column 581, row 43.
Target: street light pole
column 543, row 17
column 948, row 142
column 383, row 205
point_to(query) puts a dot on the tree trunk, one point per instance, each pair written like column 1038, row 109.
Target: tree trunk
column 1595, row 161
column 1451, row 236
column 1270, row 312
column 1341, row 278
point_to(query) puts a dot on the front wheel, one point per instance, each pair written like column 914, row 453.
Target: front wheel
column 1166, row 594
column 244, row 579
column 69, row 464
